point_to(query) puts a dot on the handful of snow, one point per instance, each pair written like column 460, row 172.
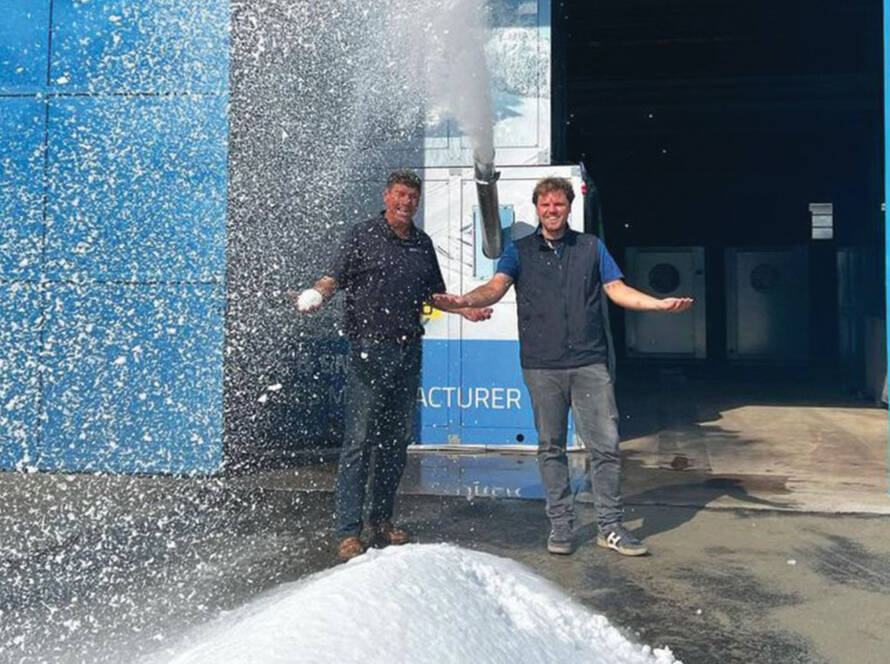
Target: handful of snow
column 309, row 299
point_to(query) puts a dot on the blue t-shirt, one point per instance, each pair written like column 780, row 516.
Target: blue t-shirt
column 609, row 270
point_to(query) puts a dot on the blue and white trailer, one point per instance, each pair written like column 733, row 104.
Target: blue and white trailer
column 472, row 392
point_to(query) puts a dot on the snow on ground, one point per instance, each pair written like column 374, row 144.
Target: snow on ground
column 415, row 603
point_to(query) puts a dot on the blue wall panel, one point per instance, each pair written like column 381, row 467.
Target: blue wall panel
column 20, row 313
column 152, row 46
column 24, row 33
column 112, row 238
column 134, row 379
column 137, row 189
column 22, row 121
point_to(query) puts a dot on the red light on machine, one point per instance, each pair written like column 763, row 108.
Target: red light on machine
column 584, row 189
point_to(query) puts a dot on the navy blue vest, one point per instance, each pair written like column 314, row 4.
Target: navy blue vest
column 559, row 303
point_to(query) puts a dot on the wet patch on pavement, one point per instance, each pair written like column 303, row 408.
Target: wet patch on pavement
column 734, row 589
column 478, row 523
column 717, row 620
column 849, row 563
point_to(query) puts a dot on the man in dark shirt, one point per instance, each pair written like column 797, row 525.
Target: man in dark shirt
column 560, row 277
column 388, row 269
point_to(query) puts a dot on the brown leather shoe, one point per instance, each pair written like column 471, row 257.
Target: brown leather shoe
column 384, row 534
column 350, row 547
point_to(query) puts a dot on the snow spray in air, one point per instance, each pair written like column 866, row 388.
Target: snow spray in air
column 325, row 99
column 436, row 49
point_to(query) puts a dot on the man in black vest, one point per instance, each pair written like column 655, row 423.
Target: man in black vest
column 388, row 269
column 560, row 276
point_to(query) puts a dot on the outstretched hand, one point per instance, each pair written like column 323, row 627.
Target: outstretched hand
column 476, row 314
column 675, row 305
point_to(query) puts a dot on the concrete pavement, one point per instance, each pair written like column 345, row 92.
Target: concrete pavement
column 767, row 516
column 101, row 569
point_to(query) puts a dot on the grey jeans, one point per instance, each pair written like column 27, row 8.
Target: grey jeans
column 588, row 392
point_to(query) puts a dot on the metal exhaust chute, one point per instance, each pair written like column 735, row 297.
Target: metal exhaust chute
column 487, row 194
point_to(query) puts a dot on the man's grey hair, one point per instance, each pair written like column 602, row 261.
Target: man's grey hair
column 404, row 176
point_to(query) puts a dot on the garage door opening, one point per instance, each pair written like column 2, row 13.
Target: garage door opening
column 737, row 153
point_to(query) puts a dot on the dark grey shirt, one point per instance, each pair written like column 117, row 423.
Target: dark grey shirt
column 386, row 279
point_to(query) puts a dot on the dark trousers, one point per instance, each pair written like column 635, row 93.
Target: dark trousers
column 381, row 398
column 589, row 393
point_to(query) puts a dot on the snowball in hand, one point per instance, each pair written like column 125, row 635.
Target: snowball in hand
column 309, row 299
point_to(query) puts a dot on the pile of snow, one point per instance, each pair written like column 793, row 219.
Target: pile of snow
column 416, row 603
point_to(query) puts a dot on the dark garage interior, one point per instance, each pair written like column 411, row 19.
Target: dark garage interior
column 716, row 125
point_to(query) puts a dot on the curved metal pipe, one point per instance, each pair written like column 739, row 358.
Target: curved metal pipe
column 487, row 195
